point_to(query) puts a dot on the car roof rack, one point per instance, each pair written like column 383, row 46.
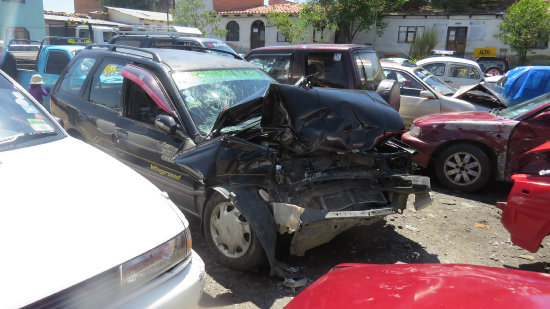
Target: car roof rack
column 115, row 47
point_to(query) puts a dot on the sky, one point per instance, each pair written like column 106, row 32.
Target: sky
column 66, row 6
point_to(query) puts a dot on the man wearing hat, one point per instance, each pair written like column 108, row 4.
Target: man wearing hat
column 36, row 89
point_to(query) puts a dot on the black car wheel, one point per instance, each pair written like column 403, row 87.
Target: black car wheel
column 230, row 236
column 463, row 167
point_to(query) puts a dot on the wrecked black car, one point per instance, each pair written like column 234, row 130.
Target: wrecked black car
column 252, row 158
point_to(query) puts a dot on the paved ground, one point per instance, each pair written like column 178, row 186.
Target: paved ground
column 445, row 232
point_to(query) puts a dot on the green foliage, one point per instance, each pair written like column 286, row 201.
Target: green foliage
column 147, row 5
column 424, row 43
column 193, row 13
column 525, row 23
column 349, row 17
column 287, row 25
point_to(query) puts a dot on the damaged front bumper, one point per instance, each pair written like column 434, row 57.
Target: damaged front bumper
column 314, row 227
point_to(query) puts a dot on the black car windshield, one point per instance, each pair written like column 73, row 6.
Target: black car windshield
column 22, row 123
column 525, row 107
column 434, row 82
column 208, row 93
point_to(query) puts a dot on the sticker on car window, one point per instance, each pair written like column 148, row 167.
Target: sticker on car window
column 22, row 102
column 18, row 95
column 337, row 57
column 40, row 125
column 30, row 109
column 191, row 79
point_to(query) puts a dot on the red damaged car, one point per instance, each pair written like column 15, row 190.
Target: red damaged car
column 468, row 149
column 425, row 286
column 526, row 215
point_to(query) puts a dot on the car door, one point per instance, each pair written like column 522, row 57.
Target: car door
column 56, row 62
column 416, row 99
column 459, row 74
column 528, row 134
column 147, row 148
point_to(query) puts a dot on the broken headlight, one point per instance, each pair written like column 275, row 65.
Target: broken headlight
column 415, row 131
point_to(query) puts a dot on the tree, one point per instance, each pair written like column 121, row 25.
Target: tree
column 193, row 13
column 147, row 5
column 349, row 17
column 424, row 43
column 525, row 23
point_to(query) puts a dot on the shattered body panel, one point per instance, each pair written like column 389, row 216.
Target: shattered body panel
column 316, row 163
column 480, row 127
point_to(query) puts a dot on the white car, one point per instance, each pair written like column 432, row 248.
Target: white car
column 456, row 72
column 424, row 94
column 78, row 229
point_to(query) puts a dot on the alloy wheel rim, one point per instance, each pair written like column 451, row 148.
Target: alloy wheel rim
column 462, row 168
column 230, row 230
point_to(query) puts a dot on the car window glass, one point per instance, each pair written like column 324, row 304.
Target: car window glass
column 369, row 70
column 164, row 43
column 128, row 42
column 76, row 75
column 463, row 71
column 330, row 67
column 437, row 69
column 433, row 82
column 278, row 66
column 140, row 106
column 107, row 85
column 57, row 61
column 409, row 86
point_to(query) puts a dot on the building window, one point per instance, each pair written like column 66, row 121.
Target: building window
column 281, row 37
column 18, row 33
column 232, row 28
column 407, row 34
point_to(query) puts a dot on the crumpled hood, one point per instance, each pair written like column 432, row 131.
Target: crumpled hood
column 486, row 95
column 69, row 212
column 318, row 119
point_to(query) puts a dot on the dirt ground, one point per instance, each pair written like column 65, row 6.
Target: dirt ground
column 445, row 232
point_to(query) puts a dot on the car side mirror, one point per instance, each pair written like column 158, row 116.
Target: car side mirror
column 166, row 123
column 427, row 94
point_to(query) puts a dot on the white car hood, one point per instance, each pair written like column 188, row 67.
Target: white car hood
column 68, row 212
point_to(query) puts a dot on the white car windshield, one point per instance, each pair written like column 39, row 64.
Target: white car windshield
column 22, row 123
column 207, row 93
column 434, row 82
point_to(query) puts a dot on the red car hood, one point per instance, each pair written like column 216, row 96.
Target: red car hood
column 425, row 286
column 457, row 117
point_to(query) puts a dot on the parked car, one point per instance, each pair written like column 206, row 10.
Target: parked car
column 425, row 286
column 469, row 148
column 424, row 94
column 248, row 156
column 493, row 66
column 155, row 40
column 80, row 229
column 345, row 66
column 526, row 215
column 454, row 71
column 50, row 61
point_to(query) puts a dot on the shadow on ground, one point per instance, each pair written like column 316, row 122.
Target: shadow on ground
column 375, row 244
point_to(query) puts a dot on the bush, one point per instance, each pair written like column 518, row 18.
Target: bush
column 424, row 43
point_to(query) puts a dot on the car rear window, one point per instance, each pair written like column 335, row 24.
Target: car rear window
column 278, row 66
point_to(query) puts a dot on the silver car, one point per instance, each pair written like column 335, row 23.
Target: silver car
column 422, row 93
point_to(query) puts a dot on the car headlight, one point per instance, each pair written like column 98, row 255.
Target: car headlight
column 415, row 131
column 156, row 261
column 115, row 284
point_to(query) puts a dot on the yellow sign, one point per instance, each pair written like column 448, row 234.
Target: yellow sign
column 485, row 52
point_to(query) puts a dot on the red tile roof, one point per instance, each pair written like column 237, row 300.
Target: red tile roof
column 291, row 8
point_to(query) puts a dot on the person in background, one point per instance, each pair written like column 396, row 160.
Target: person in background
column 36, row 89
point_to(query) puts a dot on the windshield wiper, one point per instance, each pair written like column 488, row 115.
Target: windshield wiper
column 25, row 136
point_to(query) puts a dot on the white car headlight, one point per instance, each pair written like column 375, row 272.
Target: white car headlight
column 415, row 131
column 156, row 261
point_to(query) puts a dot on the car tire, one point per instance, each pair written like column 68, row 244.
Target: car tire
column 463, row 167
column 493, row 71
column 229, row 235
